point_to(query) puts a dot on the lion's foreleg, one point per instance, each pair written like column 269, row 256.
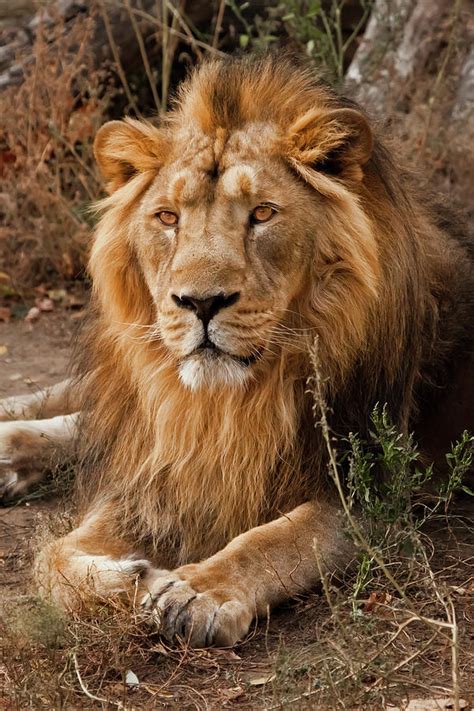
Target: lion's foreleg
column 90, row 563
column 60, row 399
column 28, row 447
column 214, row 602
column 33, row 428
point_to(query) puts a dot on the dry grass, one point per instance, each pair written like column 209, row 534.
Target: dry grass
column 395, row 627
column 328, row 651
column 48, row 172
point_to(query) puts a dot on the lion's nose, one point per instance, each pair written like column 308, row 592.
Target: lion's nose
column 205, row 309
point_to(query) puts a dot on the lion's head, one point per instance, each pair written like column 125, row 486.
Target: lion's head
column 240, row 220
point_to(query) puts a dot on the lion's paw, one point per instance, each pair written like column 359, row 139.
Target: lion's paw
column 21, row 458
column 203, row 618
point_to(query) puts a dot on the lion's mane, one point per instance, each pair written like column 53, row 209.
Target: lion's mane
column 185, row 471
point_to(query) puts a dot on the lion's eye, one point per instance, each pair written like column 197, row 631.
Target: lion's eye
column 167, row 218
column 262, row 213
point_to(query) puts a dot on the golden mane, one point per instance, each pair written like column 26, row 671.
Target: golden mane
column 185, row 470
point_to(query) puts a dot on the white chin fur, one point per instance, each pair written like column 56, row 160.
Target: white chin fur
column 209, row 371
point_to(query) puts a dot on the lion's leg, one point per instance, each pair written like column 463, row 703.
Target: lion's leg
column 60, row 399
column 27, row 448
column 215, row 601
column 89, row 563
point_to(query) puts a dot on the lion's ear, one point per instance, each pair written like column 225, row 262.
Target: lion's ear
column 125, row 148
column 336, row 142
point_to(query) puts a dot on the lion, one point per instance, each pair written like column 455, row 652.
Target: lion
column 263, row 214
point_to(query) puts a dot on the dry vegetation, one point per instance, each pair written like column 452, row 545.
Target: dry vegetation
column 49, row 177
column 398, row 626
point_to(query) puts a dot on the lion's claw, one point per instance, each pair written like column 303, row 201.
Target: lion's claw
column 202, row 619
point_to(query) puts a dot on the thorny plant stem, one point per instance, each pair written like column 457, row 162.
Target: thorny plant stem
column 319, row 403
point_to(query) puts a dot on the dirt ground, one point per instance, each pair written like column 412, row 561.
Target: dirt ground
column 32, row 356
column 281, row 664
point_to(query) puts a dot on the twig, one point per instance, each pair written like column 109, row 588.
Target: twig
column 218, row 27
column 144, row 56
column 330, row 38
column 407, row 660
column 116, row 55
column 164, row 53
column 178, row 17
column 355, row 32
column 118, row 704
column 455, row 16
column 57, row 134
column 455, row 657
column 189, row 38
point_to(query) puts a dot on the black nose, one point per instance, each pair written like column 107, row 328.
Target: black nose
column 205, row 309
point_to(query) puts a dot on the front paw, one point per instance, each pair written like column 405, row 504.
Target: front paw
column 201, row 615
column 21, row 458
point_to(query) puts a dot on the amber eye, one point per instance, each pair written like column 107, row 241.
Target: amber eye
column 167, row 218
column 262, row 213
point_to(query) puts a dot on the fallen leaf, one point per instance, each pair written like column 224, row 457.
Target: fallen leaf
column 261, row 680
column 377, row 598
column 33, row 314
column 131, row 679
column 234, row 692
column 3, row 350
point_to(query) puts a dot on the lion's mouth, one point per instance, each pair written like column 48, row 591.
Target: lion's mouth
column 209, row 350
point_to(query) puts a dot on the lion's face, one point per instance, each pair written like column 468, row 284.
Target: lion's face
column 239, row 238
column 223, row 245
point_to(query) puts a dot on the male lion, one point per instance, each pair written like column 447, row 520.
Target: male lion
column 261, row 214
